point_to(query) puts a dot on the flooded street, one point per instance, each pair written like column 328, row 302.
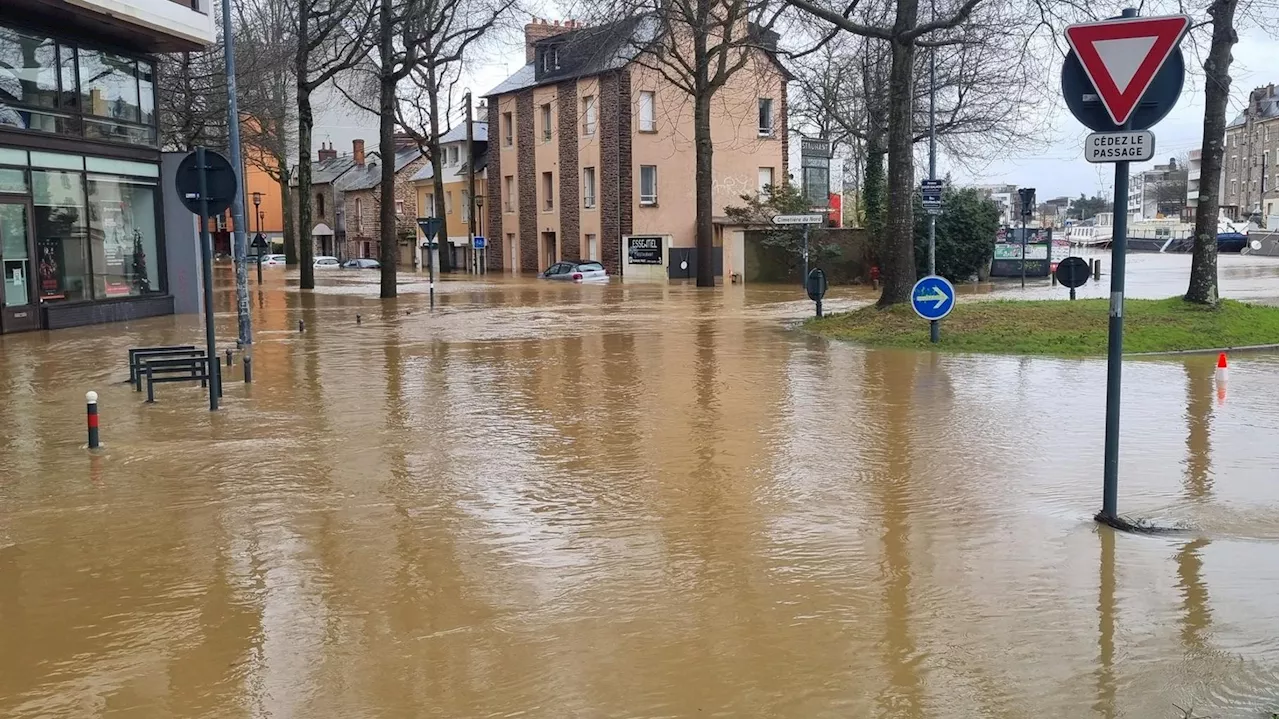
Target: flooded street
column 558, row 500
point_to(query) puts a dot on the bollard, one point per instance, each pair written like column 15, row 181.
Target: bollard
column 91, row 402
column 1053, row 279
column 1097, row 269
column 301, row 326
column 248, row 368
column 228, row 356
column 357, row 318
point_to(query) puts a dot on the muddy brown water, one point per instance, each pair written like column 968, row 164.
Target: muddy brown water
column 587, row 501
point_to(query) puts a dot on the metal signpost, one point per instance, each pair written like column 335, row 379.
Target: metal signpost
column 1072, row 272
column 805, row 220
column 1122, row 76
column 431, row 226
column 816, row 285
column 933, row 297
column 207, row 185
column 1027, row 202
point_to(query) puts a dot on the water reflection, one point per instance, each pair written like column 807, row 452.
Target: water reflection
column 557, row 500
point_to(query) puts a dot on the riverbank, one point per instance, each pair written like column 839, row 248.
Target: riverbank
column 1060, row 328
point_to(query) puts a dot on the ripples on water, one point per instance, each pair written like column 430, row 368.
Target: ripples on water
column 550, row 500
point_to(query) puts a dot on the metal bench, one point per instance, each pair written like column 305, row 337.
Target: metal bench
column 138, row 352
column 179, row 369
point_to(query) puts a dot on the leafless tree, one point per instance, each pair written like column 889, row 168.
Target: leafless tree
column 265, row 80
column 192, row 91
column 949, row 25
column 329, row 37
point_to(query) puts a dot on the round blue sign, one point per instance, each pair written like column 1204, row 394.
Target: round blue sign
column 933, row 297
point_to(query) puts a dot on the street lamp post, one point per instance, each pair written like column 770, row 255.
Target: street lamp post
column 257, row 202
column 480, row 231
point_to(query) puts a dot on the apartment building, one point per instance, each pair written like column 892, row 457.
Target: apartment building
column 91, row 229
column 458, row 203
column 593, row 156
column 1007, row 201
column 1251, row 162
column 1159, row 192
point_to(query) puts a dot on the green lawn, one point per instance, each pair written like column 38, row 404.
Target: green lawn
column 1061, row 328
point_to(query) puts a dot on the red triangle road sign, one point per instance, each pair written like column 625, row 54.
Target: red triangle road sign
column 1121, row 57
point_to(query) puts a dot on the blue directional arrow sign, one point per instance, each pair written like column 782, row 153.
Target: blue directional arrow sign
column 933, row 297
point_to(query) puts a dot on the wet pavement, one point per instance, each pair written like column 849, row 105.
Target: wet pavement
column 552, row 500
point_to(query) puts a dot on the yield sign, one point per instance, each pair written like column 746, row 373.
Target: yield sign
column 1121, row 57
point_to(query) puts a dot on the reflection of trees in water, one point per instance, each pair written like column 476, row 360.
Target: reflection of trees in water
column 1199, row 478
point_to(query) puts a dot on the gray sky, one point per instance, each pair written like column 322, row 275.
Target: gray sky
column 1054, row 171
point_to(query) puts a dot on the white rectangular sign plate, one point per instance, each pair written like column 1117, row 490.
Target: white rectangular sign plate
column 1134, row 146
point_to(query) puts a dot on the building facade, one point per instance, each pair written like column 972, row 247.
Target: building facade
column 1158, row 193
column 458, row 203
column 1250, row 163
column 1006, row 199
column 82, row 184
column 591, row 152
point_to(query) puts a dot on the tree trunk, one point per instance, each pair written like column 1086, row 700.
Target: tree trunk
column 286, row 206
column 703, row 177
column 389, row 247
column 1203, row 287
column 306, row 253
column 898, row 258
column 873, row 200
column 437, row 169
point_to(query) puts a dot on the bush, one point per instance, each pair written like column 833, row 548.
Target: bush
column 966, row 234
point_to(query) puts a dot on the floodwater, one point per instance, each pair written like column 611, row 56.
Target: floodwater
column 549, row 500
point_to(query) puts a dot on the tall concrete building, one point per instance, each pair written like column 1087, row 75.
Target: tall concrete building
column 1159, row 192
column 90, row 229
column 1251, row 162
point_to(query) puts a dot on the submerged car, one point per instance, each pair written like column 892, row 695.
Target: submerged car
column 362, row 263
column 272, row 260
column 325, row 262
column 576, row 271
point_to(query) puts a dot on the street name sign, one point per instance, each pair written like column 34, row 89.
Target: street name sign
column 1122, row 57
column 931, row 195
column 797, row 219
column 933, row 297
column 1137, row 146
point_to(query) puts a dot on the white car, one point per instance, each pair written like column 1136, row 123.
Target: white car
column 272, row 260
column 325, row 262
column 578, row 271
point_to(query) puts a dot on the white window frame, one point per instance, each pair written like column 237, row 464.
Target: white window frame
column 760, row 179
column 359, row 215
column 453, row 155
column 650, row 123
column 589, row 115
column 508, row 193
column 589, row 187
column 399, row 207
column 448, row 202
column 548, row 186
column 508, row 129
column 545, row 113
column 593, row 247
column 761, row 108
column 651, row 199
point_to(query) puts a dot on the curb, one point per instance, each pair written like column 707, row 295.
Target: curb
column 1207, row 350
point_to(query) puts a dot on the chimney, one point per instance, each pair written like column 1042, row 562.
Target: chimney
column 540, row 30
column 357, row 151
column 327, row 153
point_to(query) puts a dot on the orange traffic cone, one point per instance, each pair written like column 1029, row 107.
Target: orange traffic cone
column 1221, row 376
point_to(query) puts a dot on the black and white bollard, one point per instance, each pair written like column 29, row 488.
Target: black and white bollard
column 91, row 403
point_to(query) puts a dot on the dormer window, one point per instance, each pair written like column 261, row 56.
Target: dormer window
column 550, row 59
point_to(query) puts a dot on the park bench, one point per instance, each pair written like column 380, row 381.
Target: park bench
column 156, row 370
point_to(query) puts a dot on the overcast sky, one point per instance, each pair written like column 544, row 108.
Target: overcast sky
column 1058, row 170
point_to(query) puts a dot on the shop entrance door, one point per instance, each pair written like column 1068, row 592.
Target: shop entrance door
column 18, row 311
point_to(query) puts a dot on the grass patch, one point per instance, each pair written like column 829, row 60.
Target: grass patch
column 1060, row 328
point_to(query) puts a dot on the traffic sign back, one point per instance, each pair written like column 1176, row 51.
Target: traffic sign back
column 1121, row 57
column 933, row 297
column 221, row 184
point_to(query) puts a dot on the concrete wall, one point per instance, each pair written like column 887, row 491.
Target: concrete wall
column 181, row 241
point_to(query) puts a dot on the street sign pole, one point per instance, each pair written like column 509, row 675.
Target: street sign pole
column 206, row 247
column 806, row 251
column 1024, row 251
column 934, row 329
column 1115, row 338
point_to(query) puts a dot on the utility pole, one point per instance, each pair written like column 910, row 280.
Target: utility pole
column 240, row 247
column 933, row 175
column 471, row 189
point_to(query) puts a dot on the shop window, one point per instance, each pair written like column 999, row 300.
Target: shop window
column 122, row 236
column 15, row 260
column 13, row 180
column 62, row 264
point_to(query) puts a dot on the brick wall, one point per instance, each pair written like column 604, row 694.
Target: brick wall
column 615, row 167
column 493, row 191
column 570, row 184
column 526, row 181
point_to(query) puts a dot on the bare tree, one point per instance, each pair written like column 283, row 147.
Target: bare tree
column 329, row 37
column 1203, row 285
column 189, row 87
column 903, row 36
column 265, row 80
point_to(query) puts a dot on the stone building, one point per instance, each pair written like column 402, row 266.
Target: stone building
column 1250, row 163
column 591, row 148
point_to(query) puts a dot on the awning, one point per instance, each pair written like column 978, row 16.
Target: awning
column 322, row 230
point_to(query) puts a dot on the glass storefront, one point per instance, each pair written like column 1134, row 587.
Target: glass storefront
column 94, row 225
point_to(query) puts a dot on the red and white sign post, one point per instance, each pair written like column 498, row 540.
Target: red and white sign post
column 1122, row 60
